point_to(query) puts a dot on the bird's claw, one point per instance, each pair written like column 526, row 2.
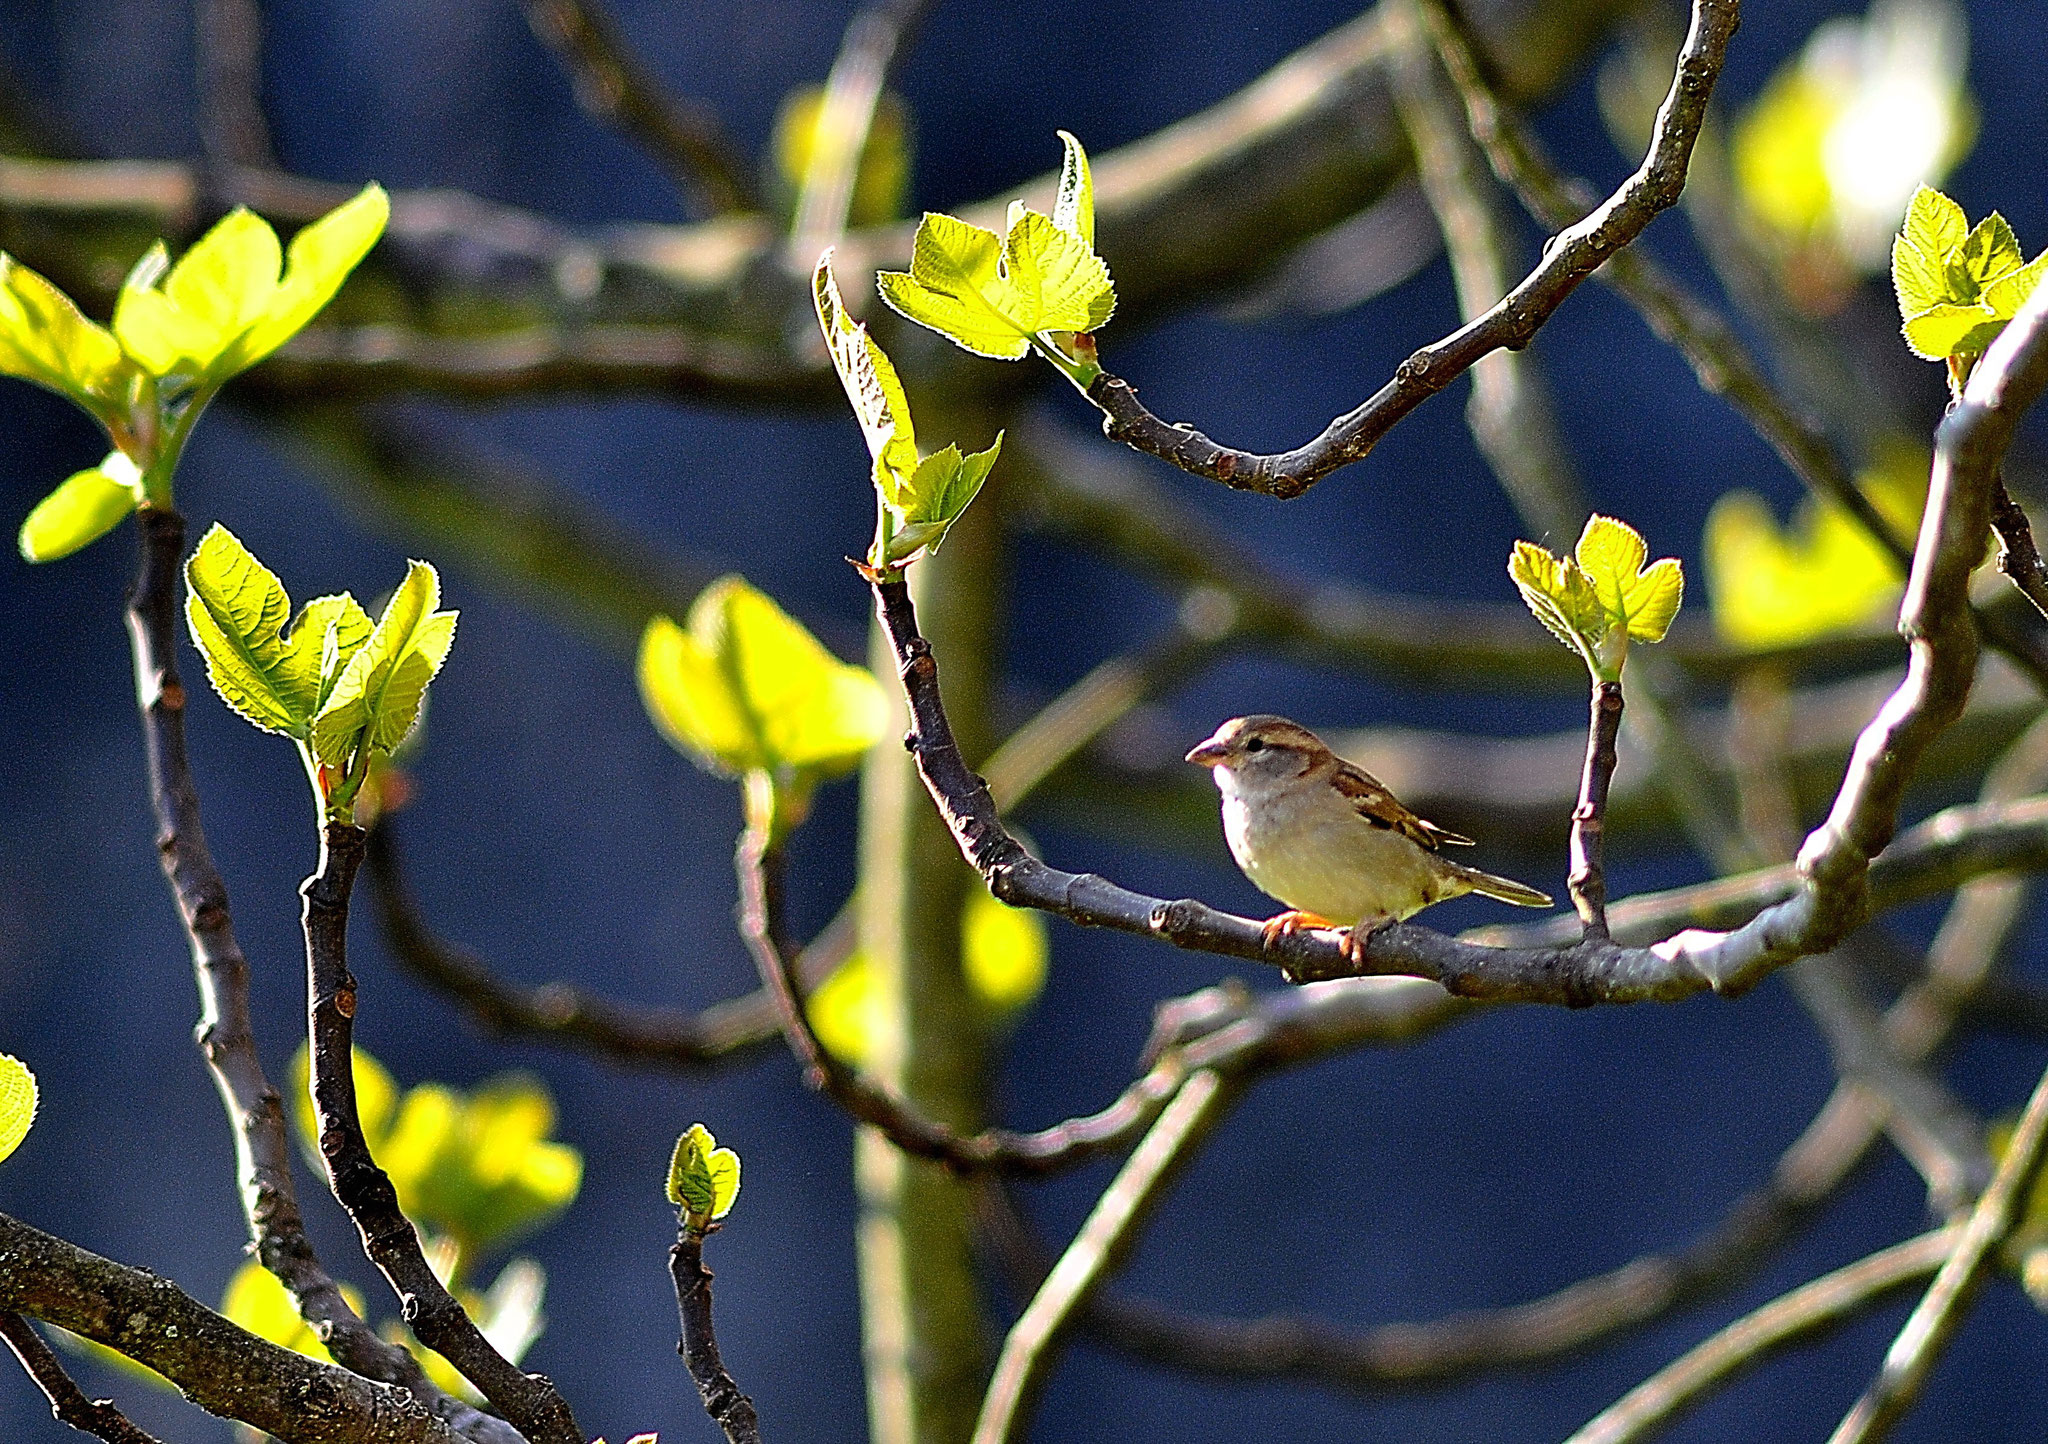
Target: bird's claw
column 1287, row 924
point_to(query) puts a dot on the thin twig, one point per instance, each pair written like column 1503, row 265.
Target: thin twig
column 1588, row 878
column 731, row 1410
column 221, row 1367
column 615, row 89
column 2018, row 557
column 228, row 49
column 225, row 1032
column 1823, row 1303
column 67, row 1401
column 1111, row 1229
column 845, row 117
column 1940, row 1311
column 364, row 1190
column 1572, row 255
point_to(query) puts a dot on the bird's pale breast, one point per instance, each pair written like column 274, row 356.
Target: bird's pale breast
column 1310, row 849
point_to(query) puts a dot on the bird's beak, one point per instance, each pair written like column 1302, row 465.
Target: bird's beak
column 1208, row 753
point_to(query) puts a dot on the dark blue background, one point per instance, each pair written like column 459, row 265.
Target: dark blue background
column 559, row 836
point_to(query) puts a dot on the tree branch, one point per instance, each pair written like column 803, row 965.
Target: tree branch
column 1935, row 1319
column 225, row 1033
column 2018, row 557
column 1571, row 256
column 730, row 1410
column 614, row 89
column 1111, row 1229
column 1825, row 1302
column 1588, row 880
column 846, row 115
column 228, row 47
column 222, row 1368
column 364, row 1190
column 68, row 1402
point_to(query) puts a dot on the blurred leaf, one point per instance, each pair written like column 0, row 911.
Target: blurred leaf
column 1003, row 952
column 881, row 179
column 1775, row 586
column 746, row 688
column 17, row 1103
column 376, row 1102
column 262, row 1305
column 85, row 506
column 703, row 1179
column 46, row 339
column 377, row 697
column 847, row 1010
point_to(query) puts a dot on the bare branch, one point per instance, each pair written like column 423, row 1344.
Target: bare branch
column 67, row 1401
column 1588, row 880
column 1111, row 1229
column 222, row 1368
column 1572, row 255
column 1934, row 1321
column 2018, row 557
column 228, row 46
column 1823, row 1303
column 731, row 1410
column 612, row 86
column 364, row 1190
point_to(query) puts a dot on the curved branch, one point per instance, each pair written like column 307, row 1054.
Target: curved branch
column 731, row 1410
column 68, row 1402
column 1570, row 257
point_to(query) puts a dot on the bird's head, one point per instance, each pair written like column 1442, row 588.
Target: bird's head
column 1260, row 748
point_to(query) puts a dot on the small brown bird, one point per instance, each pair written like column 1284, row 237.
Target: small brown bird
column 1324, row 837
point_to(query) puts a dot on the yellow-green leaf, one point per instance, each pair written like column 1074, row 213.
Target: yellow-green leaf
column 17, row 1103
column 1053, row 280
column 1612, row 554
column 747, row 688
column 871, row 386
column 1003, row 951
column 85, row 506
column 377, row 697
column 935, row 495
column 1074, row 209
column 237, row 610
column 1559, row 594
column 46, row 339
column 1943, row 331
column 703, row 1179
column 317, row 261
column 848, row 1010
column 954, row 287
column 1957, row 285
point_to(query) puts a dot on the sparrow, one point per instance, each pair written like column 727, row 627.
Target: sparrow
column 1327, row 839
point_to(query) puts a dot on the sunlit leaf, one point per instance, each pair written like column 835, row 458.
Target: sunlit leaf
column 1053, row 280
column 747, row 688
column 1644, row 599
column 1074, row 209
column 703, row 1179
column 319, row 258
column 954, row 287
column 257, row 1301
column 45, row 338
column 17, row 1103
column 377, row 696
column 1957, row 285
column 1003, row 951
column 937, row 493
column 871, row 386
column 85, row 506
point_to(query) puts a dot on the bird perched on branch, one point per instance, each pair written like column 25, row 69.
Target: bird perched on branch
column 1326, row 838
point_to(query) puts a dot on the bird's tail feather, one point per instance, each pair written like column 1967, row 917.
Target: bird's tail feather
column 1503, row 889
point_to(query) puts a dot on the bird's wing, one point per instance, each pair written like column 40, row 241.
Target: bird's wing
column 1382, row 809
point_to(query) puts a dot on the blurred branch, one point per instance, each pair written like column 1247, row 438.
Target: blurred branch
column 1570, row 256
column 1110, row 1231
column 731, row 1410
column 1820, row 1304
column 1509, row 412
column 228, row 47
column 68, row 1402
column 1934, row 1320
column 867, row 52
column 219, row 1366
column 364, row 1190
column 614, row 89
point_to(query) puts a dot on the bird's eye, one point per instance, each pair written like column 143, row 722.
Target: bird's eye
column 1257, row 744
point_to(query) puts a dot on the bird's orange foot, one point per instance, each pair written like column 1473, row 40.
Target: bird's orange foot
column 1356, row 937
column 1287, row 924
